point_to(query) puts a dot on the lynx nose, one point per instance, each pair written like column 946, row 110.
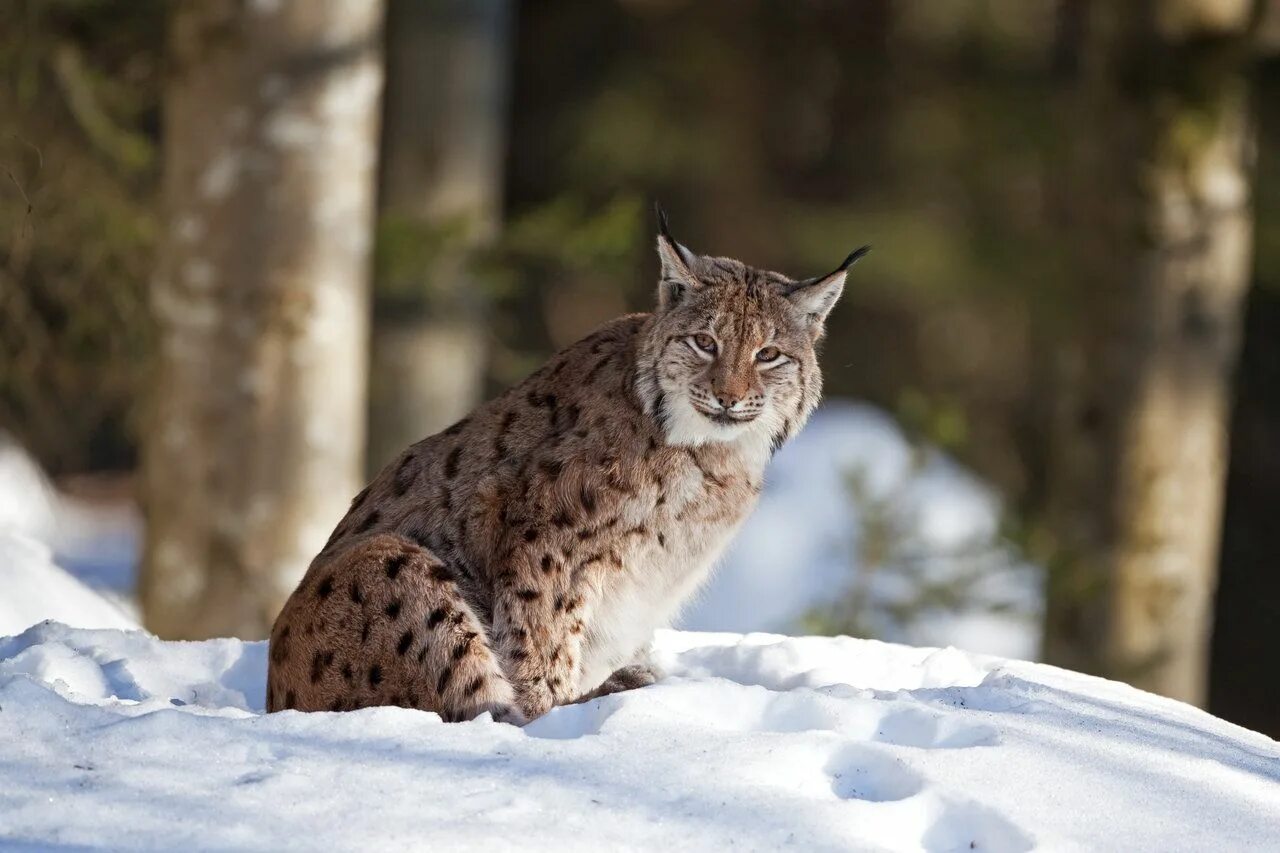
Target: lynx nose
column 727, row 401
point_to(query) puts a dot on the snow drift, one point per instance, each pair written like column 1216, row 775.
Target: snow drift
column 33, row 588
column 117, row 739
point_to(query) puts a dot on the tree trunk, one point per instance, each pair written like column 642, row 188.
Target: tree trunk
column 254, row 447
column 1136, row 481
column 440, row 197
column 1247, row 609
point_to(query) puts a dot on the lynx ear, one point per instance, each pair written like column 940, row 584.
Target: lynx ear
column 815, row 297
column 676, row 277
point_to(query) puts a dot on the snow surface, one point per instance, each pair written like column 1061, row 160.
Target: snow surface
column 97, row 543
column 33, row 588
column 116, row 739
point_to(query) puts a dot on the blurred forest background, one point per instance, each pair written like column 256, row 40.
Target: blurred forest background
column 252, row 248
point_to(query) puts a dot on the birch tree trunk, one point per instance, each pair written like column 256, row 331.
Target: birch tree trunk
column 440, row 198
column 1138, row 469
column 256, row 434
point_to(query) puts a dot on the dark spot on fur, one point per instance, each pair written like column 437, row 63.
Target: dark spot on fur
column 458, row 427
column 393, row 610
column 780, row 437
column 357, row 596
column 436, row 617
column 317, row 667
column 280, row 647
column 364, row 632
column 662, row 540
column 369, row 521
column 559, row 603
column 347, row 673
column 375, row 675
column 520, row 654
column 406, row 640
column 460, row 650
column 562, row 519
column 404, row 476
column 395, row 563
column 335, row 705
column 531, row 534
column 660, row 410
column 422, row 654
column 441, row 573
column 546, row 563
column 451, row 462
column 290, row 700
column 325, row 587
column 588, row 499
column 446, row 500
column 528, row 594
column 476, row 683
column 599, row 365
column 445, row 676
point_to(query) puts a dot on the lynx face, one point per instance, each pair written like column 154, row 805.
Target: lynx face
column 734, row 347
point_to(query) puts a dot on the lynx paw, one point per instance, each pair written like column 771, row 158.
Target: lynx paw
column 630, row 677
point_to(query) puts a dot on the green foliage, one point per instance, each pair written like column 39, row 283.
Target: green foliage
column 898, row 581
column 78, row 162
column 567, row 232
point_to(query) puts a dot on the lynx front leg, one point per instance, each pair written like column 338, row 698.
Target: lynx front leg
column 538, row 635
column 641, row 672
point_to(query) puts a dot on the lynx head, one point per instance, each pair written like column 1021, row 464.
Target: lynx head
column 731, row 355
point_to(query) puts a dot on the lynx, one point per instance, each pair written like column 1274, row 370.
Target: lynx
column 523, row 557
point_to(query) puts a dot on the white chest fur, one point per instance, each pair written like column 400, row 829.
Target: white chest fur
column 661, row 572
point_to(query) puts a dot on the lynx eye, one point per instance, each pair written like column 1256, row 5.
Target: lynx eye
column 705, row 342
column 767, row 355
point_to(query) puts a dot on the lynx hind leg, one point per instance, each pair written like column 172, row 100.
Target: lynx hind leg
column 384, row 623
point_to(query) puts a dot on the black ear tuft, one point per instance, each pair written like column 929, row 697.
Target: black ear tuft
column 854, row 256
column 664, row 227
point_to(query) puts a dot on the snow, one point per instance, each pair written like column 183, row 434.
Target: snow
column 113, row 738
column 850, row 506
column 35, row 589
column 94, row 547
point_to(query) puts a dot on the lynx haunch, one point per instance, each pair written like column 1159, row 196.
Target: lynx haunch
column 522, row 558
